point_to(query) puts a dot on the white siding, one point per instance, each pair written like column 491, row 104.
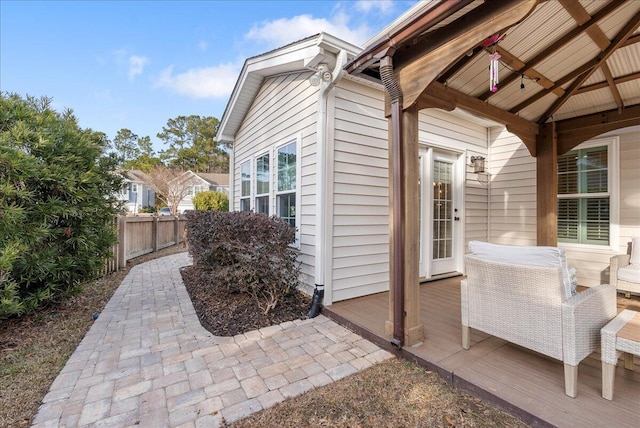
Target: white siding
column 283, row 110
column 360, row 221
column 512, row 190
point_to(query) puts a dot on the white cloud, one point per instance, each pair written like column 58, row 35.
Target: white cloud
column 206, row 82
column 136, row 65
column 366, row 6
column 282, row 31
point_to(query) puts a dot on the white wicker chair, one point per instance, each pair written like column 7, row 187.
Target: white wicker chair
column 630, row 281
column 528, row 306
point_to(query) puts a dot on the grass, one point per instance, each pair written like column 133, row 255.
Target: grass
column 395, row 393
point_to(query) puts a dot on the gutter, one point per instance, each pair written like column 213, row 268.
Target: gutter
column 432, row 14
column 321, row 180
column 396, row 153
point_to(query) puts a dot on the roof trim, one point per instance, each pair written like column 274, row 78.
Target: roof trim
column 305, row 53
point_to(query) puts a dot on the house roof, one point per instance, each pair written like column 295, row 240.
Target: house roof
column 576, row 59
column 136, row 175
column 214, row 178
column 303, row 54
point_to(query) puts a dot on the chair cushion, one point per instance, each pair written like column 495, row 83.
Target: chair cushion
column 525, row 255
column 630, row 273
column 635, row 251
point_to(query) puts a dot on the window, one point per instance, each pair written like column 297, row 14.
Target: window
column 585, row 195
column 269, row 183
column 262, row 185
column 286, row 183
column 133, row 187
column 245, row 186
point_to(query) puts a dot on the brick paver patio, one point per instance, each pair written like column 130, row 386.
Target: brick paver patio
column 147, row 361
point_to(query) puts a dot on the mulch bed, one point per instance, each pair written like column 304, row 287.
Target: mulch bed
column 228, row 315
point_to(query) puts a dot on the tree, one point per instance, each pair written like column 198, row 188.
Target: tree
column 58, row 199
column 171, row 185
column 211, row 201
column 125, row 144
column 134, row 151
column 192, row 144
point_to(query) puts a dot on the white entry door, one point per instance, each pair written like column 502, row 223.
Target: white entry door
column 440, row 213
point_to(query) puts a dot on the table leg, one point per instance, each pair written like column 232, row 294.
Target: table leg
column 628, row 361
column 608, row 376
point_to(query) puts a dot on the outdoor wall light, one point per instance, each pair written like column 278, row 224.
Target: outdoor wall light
column 477, row 162
column 322, row 74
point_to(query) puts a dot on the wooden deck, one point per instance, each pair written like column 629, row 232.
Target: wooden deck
column 524, row 383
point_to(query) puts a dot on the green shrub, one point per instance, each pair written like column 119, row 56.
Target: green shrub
column 211, row 201
column 57, row 203
column 147, row 210
column 245, row 252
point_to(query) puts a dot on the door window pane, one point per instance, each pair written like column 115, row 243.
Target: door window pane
column 442, row 210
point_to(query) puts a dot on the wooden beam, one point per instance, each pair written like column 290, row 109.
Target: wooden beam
column 430, row 17
column 547, row 186
column 628, row 29
column 454, row 68
column 524, row 129
column 605, row 84
column 414, row 76
column 544, row 55
column 581, row 16
column 516, row 64
column 564, row 79
column 612, row 86
column 572, row 132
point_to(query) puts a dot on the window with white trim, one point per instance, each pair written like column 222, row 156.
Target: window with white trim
column 286, row 183
column 585, row 195
column 261, row 204
column 245, row 186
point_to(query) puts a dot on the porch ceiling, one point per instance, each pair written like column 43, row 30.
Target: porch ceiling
column 579, row 62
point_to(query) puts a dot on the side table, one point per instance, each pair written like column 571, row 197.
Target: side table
column 620, row 335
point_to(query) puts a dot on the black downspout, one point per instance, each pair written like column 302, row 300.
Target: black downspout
column 316, row 301
column 397, row 169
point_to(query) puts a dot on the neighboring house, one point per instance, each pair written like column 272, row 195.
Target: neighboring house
column 137, row 193
column 318, row 156
column 202, row 182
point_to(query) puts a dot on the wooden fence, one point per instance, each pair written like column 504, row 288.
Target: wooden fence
column 139, row 235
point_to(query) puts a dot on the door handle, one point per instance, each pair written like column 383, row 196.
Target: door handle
column 456, row 218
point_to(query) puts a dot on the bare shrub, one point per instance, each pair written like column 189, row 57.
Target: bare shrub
column 245, row 252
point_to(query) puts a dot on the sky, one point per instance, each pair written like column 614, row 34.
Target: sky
column 137, row 64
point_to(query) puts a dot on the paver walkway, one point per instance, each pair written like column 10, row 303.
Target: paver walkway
column 147, row 361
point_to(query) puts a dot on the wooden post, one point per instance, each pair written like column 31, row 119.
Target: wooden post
column 413, row 328
column 155, row 236
column 176, row 230
column 121, row 261
column 547, row 185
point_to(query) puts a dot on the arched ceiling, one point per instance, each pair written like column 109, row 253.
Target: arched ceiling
column 576, row 63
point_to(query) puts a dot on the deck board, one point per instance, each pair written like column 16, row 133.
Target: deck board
column 507, row 375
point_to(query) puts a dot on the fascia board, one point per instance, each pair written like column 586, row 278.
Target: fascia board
column 282, row 60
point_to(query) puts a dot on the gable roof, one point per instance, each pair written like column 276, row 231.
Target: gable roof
column 303, row 54
column 214, row 178
column 135, row 175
